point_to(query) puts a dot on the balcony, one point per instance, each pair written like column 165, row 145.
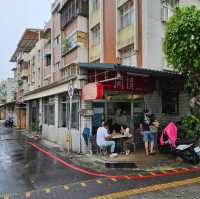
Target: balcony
column 47, row 72
column 121, row 2
column 24, row 73
column 94, row 18
column 94, row 53
column 125, row 36
column 55, row 5
column 56, row 76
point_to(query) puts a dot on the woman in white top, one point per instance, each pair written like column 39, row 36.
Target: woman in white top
column 126, row 131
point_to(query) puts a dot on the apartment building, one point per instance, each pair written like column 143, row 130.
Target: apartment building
column 62, row 44
column 102, row 29
column 7, row 98
column 22, row 71
column 138, row 77
column 110, row 52
column 127, row 27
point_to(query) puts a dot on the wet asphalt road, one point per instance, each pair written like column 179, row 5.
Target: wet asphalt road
column 22, row 168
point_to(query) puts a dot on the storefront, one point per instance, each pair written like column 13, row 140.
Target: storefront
column 119, row 95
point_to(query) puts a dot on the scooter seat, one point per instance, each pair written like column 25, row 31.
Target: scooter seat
column 183, row 147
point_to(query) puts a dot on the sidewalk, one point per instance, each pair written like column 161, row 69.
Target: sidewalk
column 158, row 162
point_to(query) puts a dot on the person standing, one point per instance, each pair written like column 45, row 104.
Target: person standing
column 103, row 139
column 145, row 123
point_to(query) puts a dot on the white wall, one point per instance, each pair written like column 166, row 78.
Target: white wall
column 152, row 34
column 154, row 104
column 190, row 2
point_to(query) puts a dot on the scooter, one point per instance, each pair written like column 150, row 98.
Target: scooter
column 9, row 122
column 187, row 151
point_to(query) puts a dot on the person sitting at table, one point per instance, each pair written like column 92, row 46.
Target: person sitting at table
column 104, row 139
column 124, row 130
column 116, row 128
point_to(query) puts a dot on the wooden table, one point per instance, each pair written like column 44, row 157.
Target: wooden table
column 119, row 137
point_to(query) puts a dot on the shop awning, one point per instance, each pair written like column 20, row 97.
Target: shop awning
column 128, row 69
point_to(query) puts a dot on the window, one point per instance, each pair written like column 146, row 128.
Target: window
column 69, row 43
column 96, row 35
column 33, row 61
column 68, row 13
column 64, row 114
column 96, row 4
column 34, row 112
column 75, row 115
column 49, row 111
column 126, row 14
column 65, row 111
column 48, row 59
column 167, row 9
column 57, row 41
column 171, row 3
column 127, row 56
column 170, row 102
column 56, row 67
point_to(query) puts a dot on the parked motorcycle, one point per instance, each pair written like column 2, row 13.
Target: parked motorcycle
column 9, row 122
column 188, row 151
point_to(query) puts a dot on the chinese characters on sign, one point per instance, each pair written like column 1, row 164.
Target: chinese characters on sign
column 133, row 83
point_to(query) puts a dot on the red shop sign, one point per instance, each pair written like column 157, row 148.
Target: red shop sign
column 128, row 82
column 92, row 91
column 136, row 84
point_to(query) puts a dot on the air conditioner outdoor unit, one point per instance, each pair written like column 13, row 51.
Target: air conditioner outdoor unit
column 164, row 13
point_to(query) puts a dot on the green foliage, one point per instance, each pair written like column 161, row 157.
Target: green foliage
column 182, row 45
column 190, row 128
column 3, row 91
column 65, row 46
column 20, row 82
column 34, row 127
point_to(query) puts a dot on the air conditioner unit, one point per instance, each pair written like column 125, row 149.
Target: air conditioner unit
column 164, row 13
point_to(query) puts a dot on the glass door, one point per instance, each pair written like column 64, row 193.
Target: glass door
column 99, row 115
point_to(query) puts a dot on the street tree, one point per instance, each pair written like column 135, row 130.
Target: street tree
column 182, row 50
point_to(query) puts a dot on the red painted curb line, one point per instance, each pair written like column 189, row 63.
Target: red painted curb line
column 91, row 173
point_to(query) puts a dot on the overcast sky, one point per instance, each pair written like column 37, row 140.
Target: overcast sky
column 15, row 16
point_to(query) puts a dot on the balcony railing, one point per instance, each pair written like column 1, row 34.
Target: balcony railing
column 94, row 17
column 94, row 52
column 126, row 36
column 121, row 2
column 24, row 73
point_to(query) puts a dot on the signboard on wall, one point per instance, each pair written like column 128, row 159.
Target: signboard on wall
column 86, row 112
column 92, row 91
column 82, row 37
column 128, row 82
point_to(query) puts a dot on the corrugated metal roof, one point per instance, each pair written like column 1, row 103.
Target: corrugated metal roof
column 130, row 69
